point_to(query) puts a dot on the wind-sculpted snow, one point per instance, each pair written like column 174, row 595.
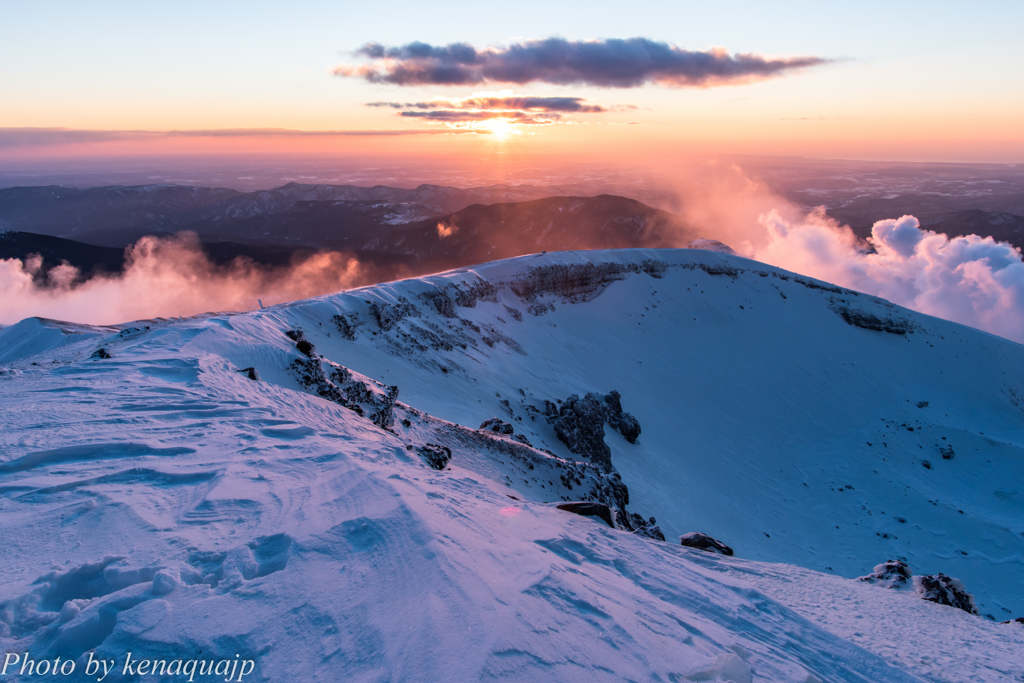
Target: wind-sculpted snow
column 194, row 495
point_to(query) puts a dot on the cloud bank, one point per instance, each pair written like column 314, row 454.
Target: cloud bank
column 971, row 280
column 609, row 63
column 169, row 277
column 51, row 137
column 968, row 279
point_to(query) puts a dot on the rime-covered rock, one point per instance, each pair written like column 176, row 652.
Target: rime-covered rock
column 648, row 528
column 435, row 455
column 700, row 541
column 890, row 574
column 945, row 590
column 497, row 425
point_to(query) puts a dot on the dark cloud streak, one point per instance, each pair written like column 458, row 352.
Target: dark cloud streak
column 610, row 63
column 576, row 105
column 50, row 137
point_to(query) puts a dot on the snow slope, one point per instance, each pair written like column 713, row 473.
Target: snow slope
column 160, row 501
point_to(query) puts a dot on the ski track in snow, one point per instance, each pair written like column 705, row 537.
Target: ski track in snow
column 161, row 502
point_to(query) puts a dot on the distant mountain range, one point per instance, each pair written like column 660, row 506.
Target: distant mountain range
column 399, row 230
column 318, row 216
column 407, row 231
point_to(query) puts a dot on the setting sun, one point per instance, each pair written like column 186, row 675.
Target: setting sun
column 501, row 128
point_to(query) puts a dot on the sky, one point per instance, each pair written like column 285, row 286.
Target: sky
column 932, row 81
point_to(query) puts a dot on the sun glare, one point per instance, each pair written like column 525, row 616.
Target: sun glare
column 501, row 129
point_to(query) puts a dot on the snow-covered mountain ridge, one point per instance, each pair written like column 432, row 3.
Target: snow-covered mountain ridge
column 789, row 418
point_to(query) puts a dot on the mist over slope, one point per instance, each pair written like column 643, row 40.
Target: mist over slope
column 803, row 424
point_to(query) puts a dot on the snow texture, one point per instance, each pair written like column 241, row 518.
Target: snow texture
column 217, row 486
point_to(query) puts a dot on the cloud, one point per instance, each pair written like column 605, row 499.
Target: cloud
column 519, row 118
column 49, row 137
column 446, row 230
column 610, row 63
column 503, row 105
column 172, row 277
column 969, row 279
column 503, row 100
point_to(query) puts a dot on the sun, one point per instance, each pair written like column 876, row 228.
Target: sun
column 501, row 129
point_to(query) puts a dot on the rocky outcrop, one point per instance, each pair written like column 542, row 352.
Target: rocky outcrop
column 599, row 510
column 251, row 373
column 338, row 384
column 576, row 283
column 102, row 353
column 938, row 588
column 890, row 574
column 436, row 456
column 579, row 424
column 700, row 541
column 648, row 528
column 346, row 325
column 497, row 425
column 945, row 590
column 388, row 314
column 870, row 321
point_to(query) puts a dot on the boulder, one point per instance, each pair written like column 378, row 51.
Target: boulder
column 435, row 455
column 945, row 590
column 251, row 373
column 700, row 541
column 496, row 425
column 589, row 510
column 890, row 574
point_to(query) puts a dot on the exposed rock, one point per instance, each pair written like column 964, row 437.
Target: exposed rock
column 891, row 574
column 516, row 315
column 870, row 321
column 579, row 424
column 435, row 455
column 626, row 424
column 1018, row 620
column 102, row 353
column 577, row 283
column 346, row 325
column 700, row 541
column 388, row 314
column 251, row 373
column 340, row 385
column 441, row 301
column 945, row 590
column 589, row 510
column 521, row 438
column 647, row 528
column 497, row 425
column 947, row 452
column 301, row 343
